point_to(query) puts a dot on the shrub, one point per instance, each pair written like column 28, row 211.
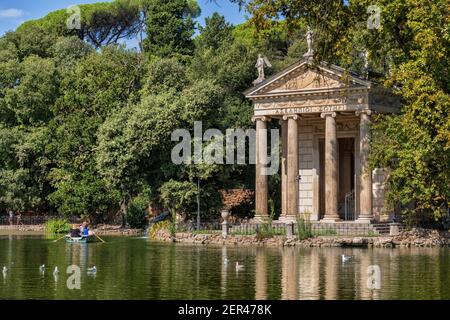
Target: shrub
column 304, row 227
column 266, row 230
column 155, row 227
column 56, row 226
column 137, row 213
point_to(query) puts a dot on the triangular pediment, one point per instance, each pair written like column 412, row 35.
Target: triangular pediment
column 304, row 77
column 308, row 79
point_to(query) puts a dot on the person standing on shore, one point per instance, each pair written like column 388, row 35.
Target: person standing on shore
column 19, row 216
column 11, row 217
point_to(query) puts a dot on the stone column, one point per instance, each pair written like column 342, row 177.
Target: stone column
column 261, row 182
column 365, row 191
column 292, row 166
column 331, row 168
column 284, row 141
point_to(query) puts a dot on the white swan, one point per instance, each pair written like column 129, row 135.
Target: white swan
column 345, row 258
column 5, row 269
column 56, row 271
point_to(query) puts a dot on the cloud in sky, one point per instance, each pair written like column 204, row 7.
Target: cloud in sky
column 11, row 13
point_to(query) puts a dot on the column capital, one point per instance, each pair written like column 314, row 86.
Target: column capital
column 360, row 112
column 326, row 114
column 282, row 122
column 291, row 116
column 260, row 118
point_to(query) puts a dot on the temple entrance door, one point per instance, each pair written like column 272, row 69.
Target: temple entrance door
column 346, row 176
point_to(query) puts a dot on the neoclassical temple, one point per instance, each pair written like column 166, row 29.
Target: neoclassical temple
column 324, row 113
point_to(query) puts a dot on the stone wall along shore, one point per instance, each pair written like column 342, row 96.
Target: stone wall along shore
column 413, row 238
column 23, row 228
column 101, row 230
column 114, row 230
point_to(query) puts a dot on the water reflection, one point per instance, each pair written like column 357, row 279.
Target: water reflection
column 260, row 275
column 135, row 268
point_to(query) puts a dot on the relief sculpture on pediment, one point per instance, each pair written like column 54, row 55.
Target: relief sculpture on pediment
column 308, row 80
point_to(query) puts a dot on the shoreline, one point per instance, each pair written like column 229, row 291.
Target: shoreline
column 414, row 238
column 101, row 230
column 406, row 239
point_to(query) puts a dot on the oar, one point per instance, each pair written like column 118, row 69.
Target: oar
column 59, row 238
column 100, row 238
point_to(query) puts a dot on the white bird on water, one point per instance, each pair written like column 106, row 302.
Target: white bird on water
column 225, row 260
column 345, row 258
column 239, row 267
column 5, row 269
column 56, row 271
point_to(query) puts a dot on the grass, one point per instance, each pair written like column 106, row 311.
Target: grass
column 304, row 227
column 324, row 232
column 57, row 226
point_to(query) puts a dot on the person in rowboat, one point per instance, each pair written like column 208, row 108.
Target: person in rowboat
column 75, row 232
column 85, row 229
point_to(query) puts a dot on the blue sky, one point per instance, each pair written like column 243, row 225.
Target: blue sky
column 15, row 12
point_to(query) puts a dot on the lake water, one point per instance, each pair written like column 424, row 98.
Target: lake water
column 136, row 268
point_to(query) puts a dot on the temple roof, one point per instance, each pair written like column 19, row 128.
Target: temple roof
column 305, row 87
column 304, row 77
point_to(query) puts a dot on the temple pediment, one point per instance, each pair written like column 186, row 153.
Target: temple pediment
column 307, row 80
column 303, row 77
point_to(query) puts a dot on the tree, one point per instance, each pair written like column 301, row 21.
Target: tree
column 67, row 51
column 169, row 27
column 217, row 31
column 91, row 91
column 132, row 142
column 100, row 24
column 178, row 196
column 28, row 99
column 23, row 168
column 164, row 74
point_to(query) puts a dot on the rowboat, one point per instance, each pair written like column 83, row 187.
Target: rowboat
column 82, row 239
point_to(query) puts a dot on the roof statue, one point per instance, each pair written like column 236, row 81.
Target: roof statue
column 309, row 41
column 261, row 62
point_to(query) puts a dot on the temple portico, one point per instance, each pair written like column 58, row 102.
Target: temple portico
column 324, row 114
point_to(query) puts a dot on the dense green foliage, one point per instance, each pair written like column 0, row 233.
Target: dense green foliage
column 57, row 226
column 85, row 123
column 137, row 213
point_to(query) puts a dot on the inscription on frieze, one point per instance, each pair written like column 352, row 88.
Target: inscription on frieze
column 313, row 109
